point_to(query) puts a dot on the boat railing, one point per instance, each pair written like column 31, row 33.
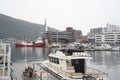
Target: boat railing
column 5, row 54
column 96, row 73
column 77, row 54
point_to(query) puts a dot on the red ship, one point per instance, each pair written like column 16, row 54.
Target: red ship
column 37, row 43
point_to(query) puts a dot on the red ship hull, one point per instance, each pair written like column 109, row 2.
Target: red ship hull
column 32, row 45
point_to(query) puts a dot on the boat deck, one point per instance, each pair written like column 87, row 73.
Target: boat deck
column 92, row 74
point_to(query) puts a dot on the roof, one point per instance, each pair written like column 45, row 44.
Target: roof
column 75, row 55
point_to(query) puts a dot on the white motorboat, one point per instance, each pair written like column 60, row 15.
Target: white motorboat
column 71, row 65
column 55, row 45
column 116, row 48
column 103, row 47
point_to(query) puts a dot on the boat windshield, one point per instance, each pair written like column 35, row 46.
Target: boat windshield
column 69, row 52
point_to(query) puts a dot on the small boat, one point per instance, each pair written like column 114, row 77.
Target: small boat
column 26, row 43
column 28, row 72
column 55, row 45
column 6, row 72
column 116, row 48
column 34, row 72
column 103, row 47
column 71, row 65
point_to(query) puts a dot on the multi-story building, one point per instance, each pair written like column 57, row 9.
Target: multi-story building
column 109, row 34
column 69, row 29
column 92, row 33
column 62, row 37
column 67, row 36
column 108, row 37
column 111, row 28
column 77, row 34
column 84, row 39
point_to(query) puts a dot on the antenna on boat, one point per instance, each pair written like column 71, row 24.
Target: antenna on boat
column 36, row 34
column 25, row 37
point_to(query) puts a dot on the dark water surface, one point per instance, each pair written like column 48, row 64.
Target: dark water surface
column 108, row 61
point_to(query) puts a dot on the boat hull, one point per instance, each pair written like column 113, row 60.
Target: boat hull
column 30, row 45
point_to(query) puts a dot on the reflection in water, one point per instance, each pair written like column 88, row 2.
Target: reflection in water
column 32, row 53
column 27, row 50
column 39, row 53
column 108, row 58
column 107, row 61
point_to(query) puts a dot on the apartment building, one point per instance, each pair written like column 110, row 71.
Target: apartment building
column 68, row 36
column 108, row 37
column 92, row 33
column 109, row 34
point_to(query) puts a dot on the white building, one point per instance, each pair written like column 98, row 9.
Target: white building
column 109, row 34
column 108, row 37
column 111, row 28
column 92, row 33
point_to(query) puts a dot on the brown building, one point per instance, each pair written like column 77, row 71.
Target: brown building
column 67, row 36
column 76, row 34
column 69, row 29
column 61, row 37
column 84, row 39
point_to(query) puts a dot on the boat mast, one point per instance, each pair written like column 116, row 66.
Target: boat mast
column 46, row 32
column 57, row 37
column 46, row 28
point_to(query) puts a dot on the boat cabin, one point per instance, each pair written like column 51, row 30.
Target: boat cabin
column 70, row 61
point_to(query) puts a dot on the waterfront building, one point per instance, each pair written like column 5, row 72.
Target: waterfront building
column 111, row 28
column 109, row 34
column 69, row 29
column 59, row 37
column 92, row 33
column 77, row 35
column 108, row 37
column 84, row 39
column 68, row 36
column 99, row 38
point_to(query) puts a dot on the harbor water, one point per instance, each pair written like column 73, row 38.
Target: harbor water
column 107, row 61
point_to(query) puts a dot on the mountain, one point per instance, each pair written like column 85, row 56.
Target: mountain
column 15, row 28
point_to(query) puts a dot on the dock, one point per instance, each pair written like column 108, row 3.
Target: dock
column 38, row 69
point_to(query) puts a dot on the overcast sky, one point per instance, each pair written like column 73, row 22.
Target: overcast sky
column 79, row 14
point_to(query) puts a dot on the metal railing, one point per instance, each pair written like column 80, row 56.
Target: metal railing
column 96, row 73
